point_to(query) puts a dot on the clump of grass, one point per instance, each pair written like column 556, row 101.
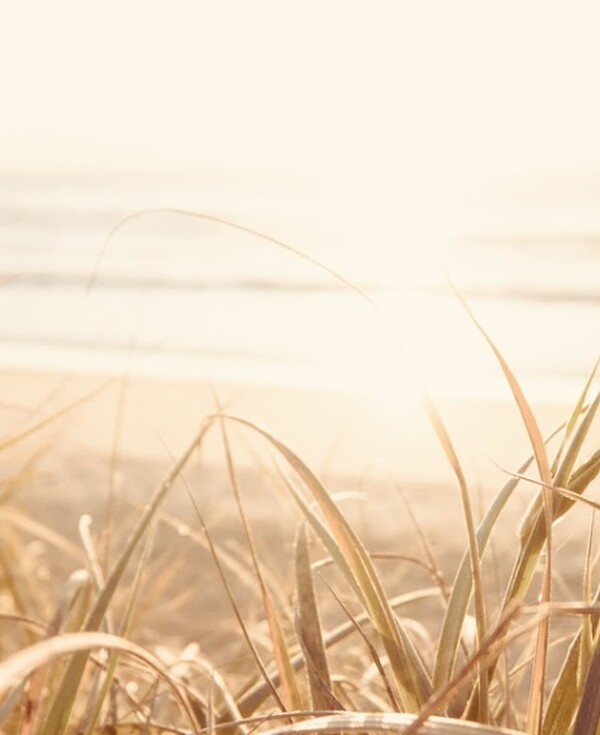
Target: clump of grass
column 74, row 660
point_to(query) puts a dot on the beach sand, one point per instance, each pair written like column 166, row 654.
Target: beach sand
column 336, row 433
column 364, row 450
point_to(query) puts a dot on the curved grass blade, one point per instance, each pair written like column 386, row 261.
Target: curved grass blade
column 74, row 589
column 371, row 648
column 431, row 564
column 309, row 632
column 387, row 722
column 253, row 697
column 428, row 403
column 588, row 715
column 22, row 664
column 529, row 421
column 567, row 692
column 560, row 710
column 474, row 552
column 268, row 680
column 562, row 474
column 290, row 691
column 60, row 711
column 463, row 582
column 580, row 408
column 529, row 553
column 411, row 678
column 203, row 217
column 19, row 520
column 535, row 709
column 96, row 706
column 587, row 627
column 328, row 540
column 34, row 428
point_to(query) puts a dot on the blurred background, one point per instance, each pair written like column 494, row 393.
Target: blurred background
column 398, row 143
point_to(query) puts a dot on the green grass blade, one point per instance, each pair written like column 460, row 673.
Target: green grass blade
column 535, row 709
column 462, row 590
column 565, row 693
column 563, row 700
column 585, row 474
column 562, row 474
column 531, row 547
column 574, row 417
column 587, row 629
column 474, row 551
column 463, row 582
column 588, row 714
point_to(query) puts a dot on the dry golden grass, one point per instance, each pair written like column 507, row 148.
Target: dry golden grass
column 76, row 656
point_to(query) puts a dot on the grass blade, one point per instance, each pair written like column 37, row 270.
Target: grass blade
column 562, row 474
column 576, row 413
column 251, row 699
column 411, row 678
column 562, row 703
column 290, row 692
column 269, row 681
column 474, row 551
column 386, row 722
column 308, row 630
column 535, row 709
column 31, row 430
column 588, row 715
column 531, row 548
column 463, row 582
column 96, row 706
column 372, row 650
column 22, row 664
column 59, row 714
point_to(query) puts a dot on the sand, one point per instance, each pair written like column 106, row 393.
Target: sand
column 124, row 438
column 359, row 448
column 334, row 432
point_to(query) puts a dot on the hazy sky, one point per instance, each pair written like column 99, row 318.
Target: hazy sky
column 419, row 87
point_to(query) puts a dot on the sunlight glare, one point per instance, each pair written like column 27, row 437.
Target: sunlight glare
column 409, row 231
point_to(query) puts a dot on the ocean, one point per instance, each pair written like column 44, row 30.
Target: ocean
column 171, row 295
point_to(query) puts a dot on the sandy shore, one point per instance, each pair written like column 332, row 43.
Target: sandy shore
column 335, row 433
column 363, row 449
column 123, row 438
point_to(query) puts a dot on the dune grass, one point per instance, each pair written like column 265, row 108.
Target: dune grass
column 74, row 660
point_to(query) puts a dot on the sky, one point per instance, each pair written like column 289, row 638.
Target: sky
column 411, row 91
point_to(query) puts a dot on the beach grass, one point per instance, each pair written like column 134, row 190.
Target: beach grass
column 316, row 637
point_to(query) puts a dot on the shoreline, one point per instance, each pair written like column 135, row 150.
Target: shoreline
column 338, row 434
column 75, row 475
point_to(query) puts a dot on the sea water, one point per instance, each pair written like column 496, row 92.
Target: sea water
column 173, row 295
